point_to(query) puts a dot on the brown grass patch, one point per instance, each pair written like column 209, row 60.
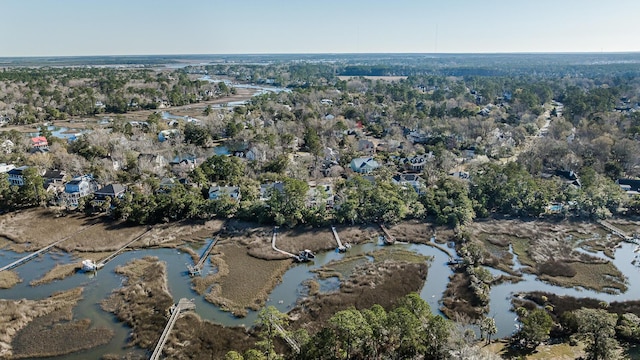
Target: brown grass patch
column 102, row 237
column 56, row 334
column 248, row 282
column 143, row 301
column 9, row 279
column 45, row 322
column 59, row 272
column 39, row 227
column 603, row 277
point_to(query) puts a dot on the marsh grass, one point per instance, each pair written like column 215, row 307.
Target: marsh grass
column 603, row 277
column 247, row 283
column 59, row 272
column 9, row 279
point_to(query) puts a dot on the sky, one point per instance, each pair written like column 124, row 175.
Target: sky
column 145, row 27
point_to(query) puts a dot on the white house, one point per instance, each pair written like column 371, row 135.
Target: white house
column 78, row 188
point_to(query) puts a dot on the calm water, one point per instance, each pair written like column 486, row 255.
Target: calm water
column 283, row 296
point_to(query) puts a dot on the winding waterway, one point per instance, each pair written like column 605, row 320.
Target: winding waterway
column 283, row 296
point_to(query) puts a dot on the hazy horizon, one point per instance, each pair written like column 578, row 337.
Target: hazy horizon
column 42, row 28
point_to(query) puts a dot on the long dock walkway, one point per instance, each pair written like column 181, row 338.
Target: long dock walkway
column 616, row 231
column 341, row 247
column 197, row 268
column 273, row 245
column 183, row 304
column 104, row 261
column 41, row 251
column 292, row 343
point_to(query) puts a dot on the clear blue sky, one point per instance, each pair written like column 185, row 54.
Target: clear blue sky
column 130, row 27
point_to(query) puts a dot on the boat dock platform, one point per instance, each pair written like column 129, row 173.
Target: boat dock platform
column 197, row 268
column 41, row 251
column 304, row 255
column 176, row 309
column 388, row 239
column 341, row 247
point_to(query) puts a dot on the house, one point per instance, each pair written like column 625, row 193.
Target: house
column 631, row 186
column 54, row 180
column 7, row 146
column 267, row 189
column 364, row 165
column 112, row 191
column 413, row 180
column 320, row 193
column 4, row 168
column 16, row 175
column 39, row 143
column 78, row 188
column 219, row 192
column 167, row 184
column 414, row 163
column 366, row 146
column 569, row 176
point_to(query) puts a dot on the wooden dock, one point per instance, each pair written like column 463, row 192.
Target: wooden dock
column 388, row 239
column 305, row 255
column 100, row 264
column 197, row 268
column 183, row 304
column 616, row 231
column 41, row 251
column 341, row 247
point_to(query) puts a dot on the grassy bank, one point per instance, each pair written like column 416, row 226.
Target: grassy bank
column 38, row 328
column 143, row 301
column 9, row 279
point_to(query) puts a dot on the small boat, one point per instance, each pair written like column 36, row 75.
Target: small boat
column 88, row 265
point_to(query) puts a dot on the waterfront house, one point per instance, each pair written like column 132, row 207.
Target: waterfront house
column 364, row 165
column 112, row 191
column 16, row 176
column 78, row 188
column 54, row 180
column 219, row 192
column 267, row 189
column 320, row 193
